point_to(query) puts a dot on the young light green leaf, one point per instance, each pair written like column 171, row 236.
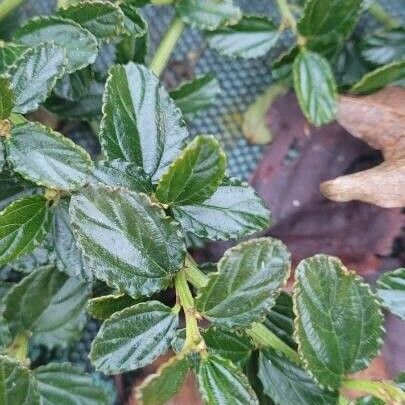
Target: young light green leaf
column 134, row 337
column 208, row 14
column 34, row 75
column 49, row 305
column 68, row 256
column 391, row 290
column 74, row 86
column 103, row 19
column 118, row 173
column 158, row 388
column 9, row 54
column 251, row 37
column 47, row 157
column 195, row 175
column 64, row 384
column 126, row 240
column 103, row 307
column 17, row 383
column 379, row 78
column 233, row 211
column 249, row 279
column 6, row 105
column 338, row 323
column 140, row 124
column 384, row 46
column 23, row 226
column 80, row 45
column 315, row 87
column 221, row 382
column 197, row 95
column 287, row 383
column 323, row 17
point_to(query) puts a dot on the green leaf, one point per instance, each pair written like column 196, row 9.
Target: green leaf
column 384, row 46
column 391, row 290
column 221, row 382
column 126, row 240
column 339, row 321
column 103, row 307
column 208, row 14
column 6, row 105
column 80, row 45
column 68, row 257
column 35, row 74
column 195, row 174
column 249, row 279
column 9, row 54
column 158, row 388
column 17, row 384
column 287, row 383
column 369, row 401
column 280, row 320
column 2, row 156
column 315, row 87
column 103, row 19
column 233, row 211
column 283, row 65
column 379, row 78
column 23, row 226
column 134, row 24
column 134, row 337
column 329, row 16
column 47, row 157
column 64, row 384
column 197, row 95
column 251, row 37
column 75, row 85
column 122, row 174
column 49, row 305
column 232, row 345
column 140, row 124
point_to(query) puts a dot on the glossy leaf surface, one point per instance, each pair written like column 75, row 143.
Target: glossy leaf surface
column 6, row 102
column 391, row 290
column 249, row 278
column 134, row 337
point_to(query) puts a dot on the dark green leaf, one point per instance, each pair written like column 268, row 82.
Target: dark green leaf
column 23, row 226
column 6, row 105
column 208, row 14
column 251, row 37
column 68, row 257
column 122, row 174
column 134, row 337
column 315, row 87
column 232, row 345
column 103, row 19
column 283, row 65
column 195, row 175
column 48, row 304
column 280, row 320
column 158, row 388
column 380, row 77
column 385, row 46
column 39, row 257
column 391, row 290
column 339, row 320
column 9, row 54
column 141, row 124
column 75, row 85
column 233, row 211
column 286, row 383
column 64, row 384
column 197, row 95
column 134, row 24
column 80, row 45
column 2, row 158
column 18, row 387
column 105, row 306
column 127, row 241
column 35, row 74
column 326, row 16
column 249, row 279
column 47, row 157
column 221, row 382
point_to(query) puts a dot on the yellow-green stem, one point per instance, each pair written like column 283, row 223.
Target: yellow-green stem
column 8, row 6
column 166, row 46
column 19, row 347
column 287, row 17
column 194, row 275
column 381, row 15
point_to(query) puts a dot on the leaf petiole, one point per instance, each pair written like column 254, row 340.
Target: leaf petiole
column 19, row 347
column 194, row 275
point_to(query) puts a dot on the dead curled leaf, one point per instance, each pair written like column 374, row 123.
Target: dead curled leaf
column 379, row 120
